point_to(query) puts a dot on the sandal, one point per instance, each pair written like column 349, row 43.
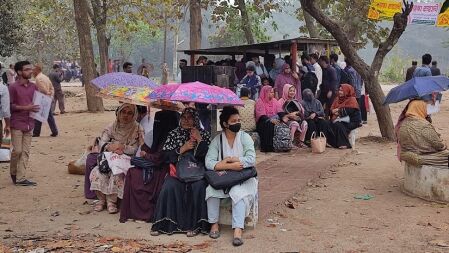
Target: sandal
column 214, row 234
column 302, row 145
column 192, row 233
column 112, row 208
column 155, row 233
column 237, row 242
column 99, row 206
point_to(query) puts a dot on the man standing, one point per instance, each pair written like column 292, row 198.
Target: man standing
column 435, row 70
column 424, row 70
column 11, row 74
column 128, row 67
column 45, row 86
column 329, row 84
column 410, row 71
column 317, row 67
column 260, row 68
column 182, row 64
column 358, row 88
column 334, row 63
column 21, row 94
column 56, row 78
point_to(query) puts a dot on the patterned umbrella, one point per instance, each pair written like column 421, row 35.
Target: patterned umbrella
column 124, row 87
column 196, row 92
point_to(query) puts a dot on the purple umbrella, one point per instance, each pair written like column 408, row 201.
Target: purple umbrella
column 125, row 87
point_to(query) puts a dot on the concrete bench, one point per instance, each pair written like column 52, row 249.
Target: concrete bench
column 427, row 182
column 226, row 214
column 352, row 137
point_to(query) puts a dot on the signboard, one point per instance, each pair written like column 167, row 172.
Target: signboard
column 424, row 14
column 384, row 9
column 443, row 17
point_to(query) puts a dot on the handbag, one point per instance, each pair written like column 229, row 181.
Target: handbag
column 226, row 179
column 103, row 165
column 188, row 168
column 318, row 143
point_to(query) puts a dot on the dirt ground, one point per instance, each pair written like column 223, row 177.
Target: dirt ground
column 325, row 218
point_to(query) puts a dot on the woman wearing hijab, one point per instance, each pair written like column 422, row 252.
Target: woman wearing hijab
column 267, row 109
column 287, row 77
column 295, row 113
column 314, row 115
column 181, row 207
column 345, row 116
column 232, row 149
column 143, row 184
column 419, row 143
column 124, row 136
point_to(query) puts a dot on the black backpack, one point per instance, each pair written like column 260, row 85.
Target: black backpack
column 345, row 77
column 5, row 78
column 309, row 81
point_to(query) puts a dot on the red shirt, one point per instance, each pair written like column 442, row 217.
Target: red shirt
column 21, row 95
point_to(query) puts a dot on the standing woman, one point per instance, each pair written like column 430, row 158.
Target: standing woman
column 287, row 77
column 314, row 115
column 267, row 108
column 237, row 150
column 345, row 116
column 295, row 113
column 124, row 136
column 181, row 207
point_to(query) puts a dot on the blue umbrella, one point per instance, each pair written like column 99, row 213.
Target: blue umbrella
column 417, row 87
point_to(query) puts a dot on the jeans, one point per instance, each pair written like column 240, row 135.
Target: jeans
column 238, row 212
column 21, row 144
column 51, row 124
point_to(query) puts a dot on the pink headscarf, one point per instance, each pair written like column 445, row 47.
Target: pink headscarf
column 265, row 106
column 282, row 79
column 284, row 97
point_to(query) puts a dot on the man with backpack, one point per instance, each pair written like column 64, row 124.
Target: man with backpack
column 357, row 83
column 309, row 79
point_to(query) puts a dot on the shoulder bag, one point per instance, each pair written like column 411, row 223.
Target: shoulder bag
column 226, row 179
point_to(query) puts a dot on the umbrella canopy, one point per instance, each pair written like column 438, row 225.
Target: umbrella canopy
column 196, row 92
column 125, row 87
column 417, row 87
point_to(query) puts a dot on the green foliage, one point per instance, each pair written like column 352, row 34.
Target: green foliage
column 50, row 31
column 10, row 27
column 352, row 17
column 231, row 33
column 393, row 71
column 228, row 20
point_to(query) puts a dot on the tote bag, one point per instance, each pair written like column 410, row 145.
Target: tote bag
column 318, row 143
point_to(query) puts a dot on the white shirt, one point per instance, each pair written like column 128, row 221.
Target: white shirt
column 147, row 123
column 318, row 73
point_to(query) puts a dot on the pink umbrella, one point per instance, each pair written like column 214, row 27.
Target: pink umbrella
column 196, row 92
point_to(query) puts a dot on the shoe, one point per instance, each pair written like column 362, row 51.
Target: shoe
column 237, row 242
column 99, row 206
column 14, row 179
column 35, row 135
column 53, row 135
column 214, row 234
column 63, row 112
column 112, row 208
column 155, row 233
column 365, row 122
column 26, row 182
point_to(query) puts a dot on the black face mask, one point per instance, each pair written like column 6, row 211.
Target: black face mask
column 235, row 127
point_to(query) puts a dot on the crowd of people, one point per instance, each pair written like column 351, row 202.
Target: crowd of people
column 151, row 191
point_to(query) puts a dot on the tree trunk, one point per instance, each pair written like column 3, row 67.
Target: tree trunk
column 94, row 103
column 195, row 24
column 99, row 18
column 246, row 23
column 103, row 48
column 310, row 25
column 368, row 73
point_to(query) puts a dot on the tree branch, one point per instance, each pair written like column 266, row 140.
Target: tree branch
column 400, row 23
